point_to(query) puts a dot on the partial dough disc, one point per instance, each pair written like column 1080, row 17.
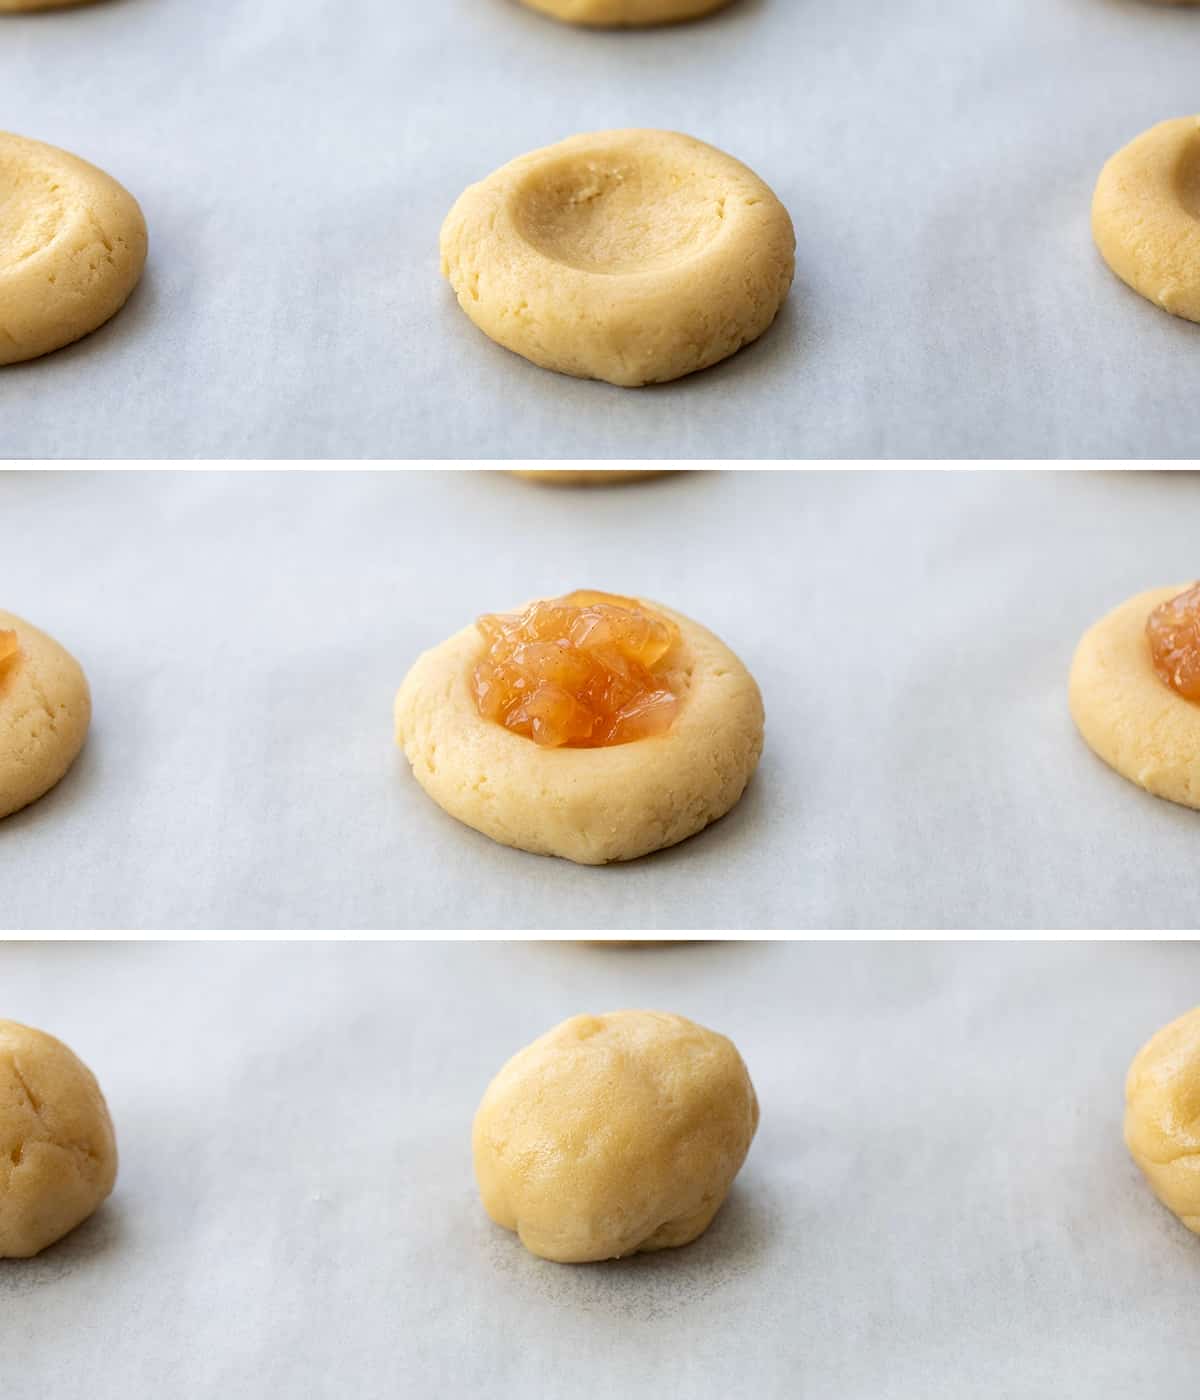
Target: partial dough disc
column 634, row 257
column 587, row 805
column 1146, row 216
column 15, row 6
column 72, row 248
column 1162, row 1116
column 1133, row 720
column 584, row 477
column 609, row 13
column 45, row 710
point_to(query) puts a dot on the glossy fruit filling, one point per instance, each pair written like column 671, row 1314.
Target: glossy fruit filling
column 1173, row 631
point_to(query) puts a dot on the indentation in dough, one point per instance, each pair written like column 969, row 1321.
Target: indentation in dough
column 618, row 213
column 1188, row 177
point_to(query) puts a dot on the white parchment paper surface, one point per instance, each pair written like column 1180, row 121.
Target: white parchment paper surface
column 296, row 158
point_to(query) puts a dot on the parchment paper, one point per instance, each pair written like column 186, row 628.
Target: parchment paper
column 295, row 159
column 938, row 1201
column 911, row 632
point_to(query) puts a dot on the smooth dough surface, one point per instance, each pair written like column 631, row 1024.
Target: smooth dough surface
column 72, row 248
column 583, row 477
column 591, row 806
column 608, row 13
column 58, row 1153
column 45, row 710
column 611, row 1135
column 1133, row 720
column 634, row 257
column 1146, row 216
column 1162, row 1116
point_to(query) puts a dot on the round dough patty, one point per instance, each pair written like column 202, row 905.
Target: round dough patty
column 1133, row 720
column 609, row 13
column 1146, row 216
column 45, row 710
column 58, row 1153
column 612, row 1135
column 591, row 806
column 1162, row 1116
column 633, row 257
column 72, row 248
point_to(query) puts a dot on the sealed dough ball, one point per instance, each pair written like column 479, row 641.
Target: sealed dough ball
column 72, row 248
column 1162, row 1116
column 58, row 1155
column 614, row 1134
column 45, row 710
column 1146, row 216
column 607, row 13
column 634, row 257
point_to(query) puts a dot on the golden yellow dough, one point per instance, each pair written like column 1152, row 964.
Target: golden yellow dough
column 1146, row 216
column 608, row 13
column 591, row 806
column 614, row 1134
column 583, row 476
column 633, row 257
column 45, row 710
column 1162, row 1116
column 1133, row 720
column 58, row 1155
column 72, row 248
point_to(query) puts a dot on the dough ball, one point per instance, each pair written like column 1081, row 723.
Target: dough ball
column 614, row 1134
column 45, row 710
column 1146, row 216
column 1162, row 1116
column 58, row 1155
column 72, row 248
column 608, row 13
column 633, row 257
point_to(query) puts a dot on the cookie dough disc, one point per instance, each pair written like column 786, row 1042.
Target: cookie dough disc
column 1146, row 216
column 584, row 477
column 58, row 1153
column 1162, row 1116
column 612, row 1135
column 608, row 13
column 634, row 257
column 587, row 805
column 45, row 710
column 1133, row 720
column 72, row 248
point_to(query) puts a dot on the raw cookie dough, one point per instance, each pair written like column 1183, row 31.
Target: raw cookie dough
column 585, row 477
column 615, row 1134
column 1162, row 1116
column 1146, row 216
column 625, row 12
column 58, row 1155
column 634, row 257
column 587, row 805
column 1133, row 720
column 45, row 709
column 72, row 248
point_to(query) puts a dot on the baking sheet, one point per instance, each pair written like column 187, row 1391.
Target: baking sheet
column 938, row 1200
column 911, row 632
column 295, row 159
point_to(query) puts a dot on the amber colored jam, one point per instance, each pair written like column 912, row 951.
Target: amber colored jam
column 577, row 672
column 1173, row 631
column 8, row 646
